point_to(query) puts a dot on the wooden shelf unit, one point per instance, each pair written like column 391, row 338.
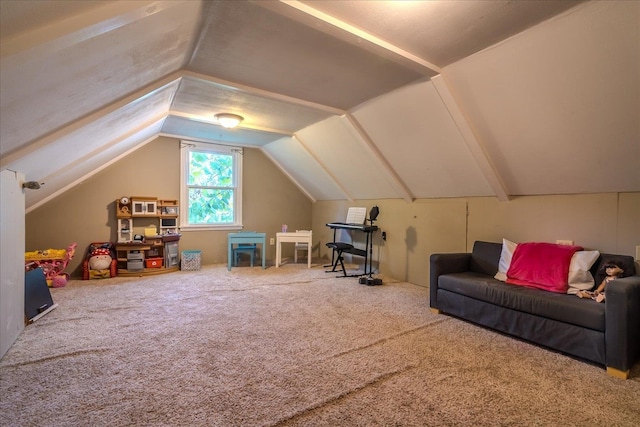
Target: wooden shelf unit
column 156, row 222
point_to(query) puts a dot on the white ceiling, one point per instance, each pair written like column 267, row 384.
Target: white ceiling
column 351, row 99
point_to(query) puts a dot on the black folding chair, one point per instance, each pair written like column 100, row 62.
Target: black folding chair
column 339, row 247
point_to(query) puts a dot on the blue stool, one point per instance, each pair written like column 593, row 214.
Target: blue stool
column 244, row 248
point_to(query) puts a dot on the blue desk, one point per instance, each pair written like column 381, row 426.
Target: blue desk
column 246, row 237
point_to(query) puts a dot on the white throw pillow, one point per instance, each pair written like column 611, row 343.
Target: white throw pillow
column 508, row 248
column 580, row 278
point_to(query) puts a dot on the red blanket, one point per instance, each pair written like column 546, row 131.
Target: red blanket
column 541, row 265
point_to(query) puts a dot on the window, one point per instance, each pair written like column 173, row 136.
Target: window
column 211, row 190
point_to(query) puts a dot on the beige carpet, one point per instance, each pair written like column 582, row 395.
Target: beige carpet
column 287, row 347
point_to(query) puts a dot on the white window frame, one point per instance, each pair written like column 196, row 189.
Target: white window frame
column 186, row 147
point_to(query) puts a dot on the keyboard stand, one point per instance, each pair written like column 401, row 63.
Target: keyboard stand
column 366, row 253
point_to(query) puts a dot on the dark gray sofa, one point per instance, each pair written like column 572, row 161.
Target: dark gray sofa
column 608, row 334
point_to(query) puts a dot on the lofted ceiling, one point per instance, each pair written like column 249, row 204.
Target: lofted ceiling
column 351, row 99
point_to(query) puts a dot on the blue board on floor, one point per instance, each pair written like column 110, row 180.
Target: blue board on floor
column 37, row 297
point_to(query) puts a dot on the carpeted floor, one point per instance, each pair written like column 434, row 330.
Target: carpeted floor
column 287, row 347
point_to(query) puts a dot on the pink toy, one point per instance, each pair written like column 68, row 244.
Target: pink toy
column 52, row 261
column 60, row 281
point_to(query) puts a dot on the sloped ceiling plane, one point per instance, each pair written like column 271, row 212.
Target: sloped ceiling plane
column 351, row 99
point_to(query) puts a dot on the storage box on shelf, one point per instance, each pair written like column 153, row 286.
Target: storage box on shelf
column 148, row 235
column 135, row 260
column 153, row 263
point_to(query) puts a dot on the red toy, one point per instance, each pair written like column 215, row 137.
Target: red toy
column 100, row 261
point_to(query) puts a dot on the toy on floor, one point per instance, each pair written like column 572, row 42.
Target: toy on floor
column 100, row 261
column 613, row 271
column 53, row 262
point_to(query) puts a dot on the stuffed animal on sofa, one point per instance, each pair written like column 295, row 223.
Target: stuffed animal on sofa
column 613, row 271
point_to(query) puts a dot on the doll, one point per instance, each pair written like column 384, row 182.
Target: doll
column 100, row 259
column 613, row 271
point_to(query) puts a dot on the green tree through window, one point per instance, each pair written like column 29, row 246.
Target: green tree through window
column 211, row 185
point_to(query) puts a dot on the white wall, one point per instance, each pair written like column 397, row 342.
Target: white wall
column 554, row 105
column 12, row 233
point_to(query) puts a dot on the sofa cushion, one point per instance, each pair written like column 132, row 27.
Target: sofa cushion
column 508, row 248
column 580, row 269
column 560, row 307
column 485, row 257
column 580, row 277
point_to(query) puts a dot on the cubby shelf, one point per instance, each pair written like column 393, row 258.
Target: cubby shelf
column 148, row 236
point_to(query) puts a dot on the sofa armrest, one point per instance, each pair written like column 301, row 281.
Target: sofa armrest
column 622, row 328
column 440, row 264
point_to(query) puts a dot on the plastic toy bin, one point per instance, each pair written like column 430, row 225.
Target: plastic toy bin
column 153, row 262
column 190, row 260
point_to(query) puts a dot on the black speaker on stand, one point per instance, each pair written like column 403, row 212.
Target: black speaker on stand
column 369, row 279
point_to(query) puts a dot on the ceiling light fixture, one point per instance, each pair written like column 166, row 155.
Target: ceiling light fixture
column 229, row 120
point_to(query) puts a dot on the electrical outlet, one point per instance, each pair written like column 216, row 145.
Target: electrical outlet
column 384, row 235
column 272, row 241
column 564, row 242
